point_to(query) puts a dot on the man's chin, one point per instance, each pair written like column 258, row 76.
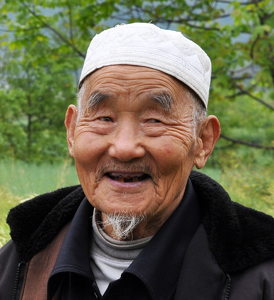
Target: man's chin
column 120, row 225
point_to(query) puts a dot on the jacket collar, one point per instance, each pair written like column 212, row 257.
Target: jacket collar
column 200, row 274
column 165, row 251
column 238, row 237
column 74, row 253
column 159, row 263
column 34, row 223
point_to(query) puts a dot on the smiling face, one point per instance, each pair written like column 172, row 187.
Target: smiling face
column 133, row 143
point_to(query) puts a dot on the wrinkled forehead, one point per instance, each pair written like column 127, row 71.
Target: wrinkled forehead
column 133, row 74
column 146, row 85
column 147, row 45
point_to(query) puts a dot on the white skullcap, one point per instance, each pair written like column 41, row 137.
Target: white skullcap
column 147, row 45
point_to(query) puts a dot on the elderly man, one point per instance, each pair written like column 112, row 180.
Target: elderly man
column 142, row 225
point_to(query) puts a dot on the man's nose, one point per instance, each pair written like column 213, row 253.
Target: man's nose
column 126, row 143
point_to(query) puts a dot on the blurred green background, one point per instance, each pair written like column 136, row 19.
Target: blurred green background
column 43, row 45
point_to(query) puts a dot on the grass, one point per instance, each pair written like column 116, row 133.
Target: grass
column 248, row 185
column 251, row 185
column 20, row 181
column 7, row 200
column 25, row 180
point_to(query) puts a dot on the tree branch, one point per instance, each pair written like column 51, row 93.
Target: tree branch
column 246, row 143
column 22, row 29
column 224, row 147
column 255, row 98
column 178, row 20
column 242, row 3
column 195, row 26
column 70, row 23
column 81, row 54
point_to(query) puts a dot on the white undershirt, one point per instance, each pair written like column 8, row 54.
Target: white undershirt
column 109, row 257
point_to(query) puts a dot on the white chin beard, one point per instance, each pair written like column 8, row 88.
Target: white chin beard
column 122, row 224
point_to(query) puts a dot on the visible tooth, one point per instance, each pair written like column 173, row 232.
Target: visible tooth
column 121, row 178
column 135, row 179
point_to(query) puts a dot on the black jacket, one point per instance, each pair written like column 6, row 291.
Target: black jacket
column 235, row 244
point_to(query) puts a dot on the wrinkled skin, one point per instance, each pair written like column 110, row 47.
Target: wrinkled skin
column 131, row 153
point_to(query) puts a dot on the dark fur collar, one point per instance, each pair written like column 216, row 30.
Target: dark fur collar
column 239, row 237
column 35, row 222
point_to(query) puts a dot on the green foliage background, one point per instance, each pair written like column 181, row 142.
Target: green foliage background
column 43, row 45
column 42, row 48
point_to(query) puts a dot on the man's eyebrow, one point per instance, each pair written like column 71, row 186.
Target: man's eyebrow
column 164, row 99
column 96, row 98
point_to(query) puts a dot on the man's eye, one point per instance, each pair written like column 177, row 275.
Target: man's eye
column 153, row 121
column 105, row 119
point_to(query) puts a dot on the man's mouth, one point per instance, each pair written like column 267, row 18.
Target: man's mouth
column 136, row 177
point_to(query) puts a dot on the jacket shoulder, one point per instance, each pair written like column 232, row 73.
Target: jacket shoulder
column 257, row 282
column 35, row 222
column 239, row 237
column 9, row 261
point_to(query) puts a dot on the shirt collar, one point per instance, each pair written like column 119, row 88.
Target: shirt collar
column 159, row 264
column 74, row 253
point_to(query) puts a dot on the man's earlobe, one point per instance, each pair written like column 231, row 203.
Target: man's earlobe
column 70, row 123
column 209, row 134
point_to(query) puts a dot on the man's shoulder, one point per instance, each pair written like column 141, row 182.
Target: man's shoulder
column 35, row 222
column 256, row 282
column 9, row 261
column 239, row 237
column 5, row 252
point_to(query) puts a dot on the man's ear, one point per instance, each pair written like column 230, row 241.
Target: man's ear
column 70, row 123
column 208, row 134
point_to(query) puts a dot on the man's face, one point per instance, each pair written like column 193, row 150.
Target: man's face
column 133, row 144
